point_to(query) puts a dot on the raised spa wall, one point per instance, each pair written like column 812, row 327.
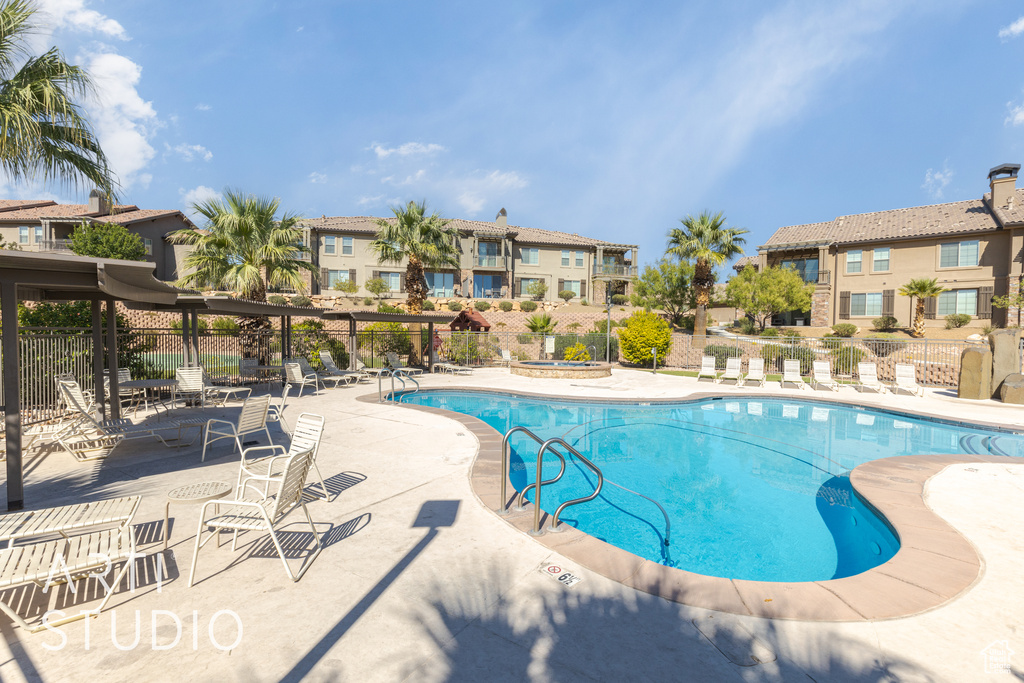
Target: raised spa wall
column 537, row 369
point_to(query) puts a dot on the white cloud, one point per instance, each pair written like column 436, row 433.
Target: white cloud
column 317, row 178
column 196, row 195
column 408, row 149
column 937, row 181
column 190, row 152
column 123, row 120
column 478, row 191
column 371, row 201
column 1013, row 30
column 1016, row 116
column 72, row 14
column 202, row 106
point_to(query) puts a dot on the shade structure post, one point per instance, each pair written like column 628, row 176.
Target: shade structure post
column 115, row 391
column 195, row 336
column 97, row 353
column 12, row 399
column 353, row 344
column 186, row 345
column 430, row 347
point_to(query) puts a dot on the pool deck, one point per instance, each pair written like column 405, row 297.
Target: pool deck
column 422, row 581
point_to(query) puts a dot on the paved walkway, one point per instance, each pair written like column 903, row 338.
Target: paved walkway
column 421, row 582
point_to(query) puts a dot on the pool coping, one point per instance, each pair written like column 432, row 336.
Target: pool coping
column 934, row 565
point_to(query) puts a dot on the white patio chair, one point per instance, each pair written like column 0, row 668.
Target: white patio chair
column 733, row 371
column 906, row 380
column 707, row 368
column 791, row 374
column 276, row 412
column 506, row 358
column 251, row 419
column 309, row 428
column 190, row 386
column 295, row 377
column 398, row 366
column 331, row 368
column 867, row 373
column 224, row 393
column 822, row 375
column 132, row 396
column 755, row 372
column 265, row 515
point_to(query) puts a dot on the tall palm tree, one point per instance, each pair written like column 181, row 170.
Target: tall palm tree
column 706, row 242
column 426, row 241
column 42, row 130
column 922, row 288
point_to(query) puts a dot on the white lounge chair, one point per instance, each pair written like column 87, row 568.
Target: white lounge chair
column 362, row 367
column 867, row 373
column 295, row 377
column 733, row 371
column 251, row 419
column 755, row 372
column 822, row 375
column 323, row 378
column 331, row 368
column 265, row 515
column 707, row 368
column 906, row 380
column 309, row 428
column 398, row 366
column 224, row 392
column 791, row 374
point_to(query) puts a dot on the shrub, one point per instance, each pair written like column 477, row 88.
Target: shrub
column 746, row 325
column 528, row 306
column 642, row 332
column 721, row 353
column 844, row 329
column 791, row 334
column 688, row 322
column 482, row 306
column 224, row 325
column 377, row 286
column 584, row 302
column 428, row 305
column 301, row 300
column 467, row 348
column 454, row 306
column 573, row 326
column 505, row 306
column 566, row 294
column 577, row 352
column 176, row 325
column 598, row 340
column 367, row 301
column 831, row 341
column 541, row 323
column 774, row 354
column 526, row 338
column 987, row 329
column 957, row 320
column 882, row 344
column 310, row 339
column 383, row 337
column 770, row 332
column 277, row 299
column 884, row 324
column 537, row 289
column 845, row 359
column 602, row 325
column 620, row 299
column 383, row 307
column 346, row 286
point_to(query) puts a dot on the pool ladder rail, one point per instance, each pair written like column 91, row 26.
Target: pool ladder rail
column 549, row 445
column 392, row 373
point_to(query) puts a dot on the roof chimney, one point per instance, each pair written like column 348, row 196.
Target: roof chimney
column 98, row 205
column 1003, row 181
column 502, row 218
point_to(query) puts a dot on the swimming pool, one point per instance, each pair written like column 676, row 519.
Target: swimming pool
column 755, row 489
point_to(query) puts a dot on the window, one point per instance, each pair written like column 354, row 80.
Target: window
column 329, row 244
column 335, row 277
column 807, row 268
column 148, row 244
column 346, row 246
column 566, row 259
column 440, row 284
column 572, row 285
column 394, row 281
column 39, row 234
column 531, row 256
column 881, row 260
column 866, row 304
column 958, row 301
column 853, row 260
column 487, row 286
column 525, row 283
column 487, row 254
column 579, row 260
column 23, row 235
column 958, row 254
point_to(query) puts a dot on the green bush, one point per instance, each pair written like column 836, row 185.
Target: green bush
column 505, row 306
column 957, row 320
column 224, row 325
column 468, row 348
column 563, row 342
column 882, row 344
column 384, row 307
column 301, row 300
column 602, row 325
column 454, row 306
column 573, row 326
column 428, row 305
column 770, row 332
column 747, row 326
column 277, row 300
column 721, row 353
column 528, row 306
column 541, row 323
column 642, row 332
column 584, row 302
column 790, row 333
column 845, row 359
column 844, row 329
column 310, row 338
column 527, row 338
column 176, row 325
column 832, row 341
column 367, row 301
column 384, row 337
column 885, row 323
column 577, row 352
column 482, row 306
column 537, row 289
column 774, row 354
column 620, row 299
column 688, row 322
column 566, row 294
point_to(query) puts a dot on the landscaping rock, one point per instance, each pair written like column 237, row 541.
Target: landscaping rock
column 1005, row 345
column 975, row 373
column 1012, row 390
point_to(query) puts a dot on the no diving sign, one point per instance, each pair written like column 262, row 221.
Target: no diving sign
column 566, row 578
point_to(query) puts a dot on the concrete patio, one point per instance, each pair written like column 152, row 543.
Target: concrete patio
column 421, row 582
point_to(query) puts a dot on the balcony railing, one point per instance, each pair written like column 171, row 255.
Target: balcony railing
column 618, row 271
column 53, row 245
column 490, row 262
column 824, row 277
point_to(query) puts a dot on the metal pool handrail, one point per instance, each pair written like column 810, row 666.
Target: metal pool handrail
column 401, row 378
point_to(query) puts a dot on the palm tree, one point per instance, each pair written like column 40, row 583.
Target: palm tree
column 426, row 241
column 706, row 242
column 42, row 130
column 922, row 288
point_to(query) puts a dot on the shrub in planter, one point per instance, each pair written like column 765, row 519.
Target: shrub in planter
column 721, row 352
column 277, row 300
column 505, row 306
column 428, row 305
column 482, row 306
column 882, row 344
column 884, row 324
column 844, row 329
column 454, row 306
column 620, row 299
column 301, row 301
column 566, row 294
column 774, row 354
column 528, row 306
column 845, row 358
column 957, row 320
column 642, row 332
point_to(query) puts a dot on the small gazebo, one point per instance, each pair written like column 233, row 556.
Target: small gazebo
column 470, row 320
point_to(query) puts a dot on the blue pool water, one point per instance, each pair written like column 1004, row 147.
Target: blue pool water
column 755, row 489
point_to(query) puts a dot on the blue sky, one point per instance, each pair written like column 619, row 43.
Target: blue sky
column 610, row 119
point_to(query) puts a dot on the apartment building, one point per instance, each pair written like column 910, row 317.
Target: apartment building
column 974, row 248
column 496, row 260
column 45, row 225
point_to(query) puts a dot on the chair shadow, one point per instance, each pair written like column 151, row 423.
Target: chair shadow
column 336, row 485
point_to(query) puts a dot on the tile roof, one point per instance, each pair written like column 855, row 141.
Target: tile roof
column 53, row 210
column 809, row 233
column 743, row 262
column 1012, row 215
column 11, row 204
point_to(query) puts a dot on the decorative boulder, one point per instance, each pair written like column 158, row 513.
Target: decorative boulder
column 975, row 373
column 1005, row 345
column 1012, row 390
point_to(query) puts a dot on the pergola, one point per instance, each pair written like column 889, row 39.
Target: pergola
column 51, row 277
column 354, row 317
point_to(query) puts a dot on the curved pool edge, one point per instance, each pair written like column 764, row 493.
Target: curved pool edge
column 934, row 565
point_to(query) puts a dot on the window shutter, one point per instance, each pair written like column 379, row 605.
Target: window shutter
column 401, row 282
column 583, row 288
column 888, row 302
column 985, row 302
column 376, row 274
column 844, row 305
column 930, row 306
column 352, row 275
column 518, row 291
column 325, row 279
column 561, row 284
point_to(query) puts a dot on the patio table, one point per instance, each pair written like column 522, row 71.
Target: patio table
column 269, row 371
column 195, row 494
column 150, row 385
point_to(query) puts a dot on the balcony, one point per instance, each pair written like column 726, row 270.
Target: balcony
column 53, row 246
column 614, row 271
column 824, row 277
column 490, row 262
